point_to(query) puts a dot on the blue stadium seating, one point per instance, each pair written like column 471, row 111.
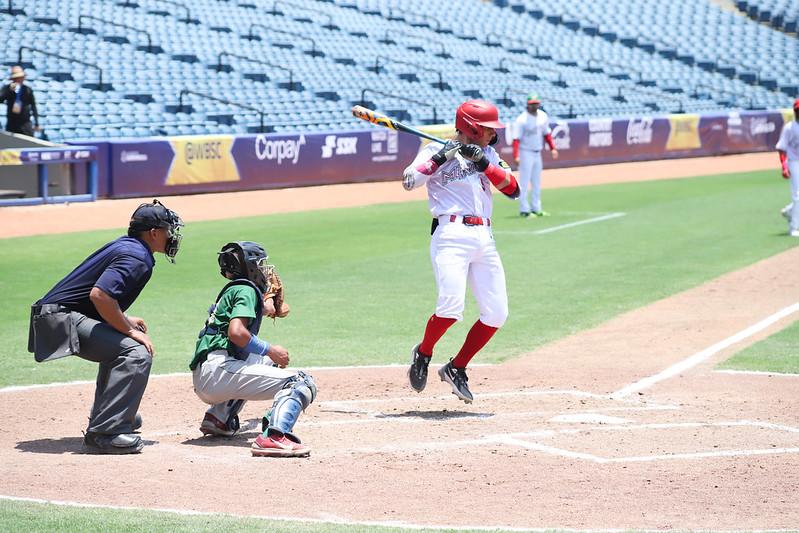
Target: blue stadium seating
column 300, row 65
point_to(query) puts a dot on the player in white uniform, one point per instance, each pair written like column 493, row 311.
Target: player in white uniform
column 458, row 176
column 788, row 147
column 528, row 133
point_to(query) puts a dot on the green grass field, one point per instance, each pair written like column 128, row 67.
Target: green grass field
column 360, row 281
column 777, row 353
column 27, row 517
column 361, row 288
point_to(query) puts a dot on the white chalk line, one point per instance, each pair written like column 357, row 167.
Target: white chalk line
column 553, row 229
column 21, row 388
column 329, row 518
column 349, row 407
column 519, row 440
column 758, row 373
column 705, row 354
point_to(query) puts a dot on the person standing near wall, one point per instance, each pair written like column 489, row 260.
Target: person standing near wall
column 529, row 131
column 788, row 148
column 20, row 103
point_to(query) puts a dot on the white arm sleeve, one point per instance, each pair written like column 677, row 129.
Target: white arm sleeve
column 411, row 177
column 782, row 144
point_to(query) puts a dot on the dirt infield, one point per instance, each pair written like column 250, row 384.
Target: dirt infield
column 592, row 431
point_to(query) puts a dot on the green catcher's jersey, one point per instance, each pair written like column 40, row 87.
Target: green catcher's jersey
column 238, row 301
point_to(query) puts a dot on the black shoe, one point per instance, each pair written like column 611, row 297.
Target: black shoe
column 417, row 373
column 524, row 214
column 121, row 444
column 458, row 380
column 137, row 422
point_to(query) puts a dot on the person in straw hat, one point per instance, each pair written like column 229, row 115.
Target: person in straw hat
column 20, row 104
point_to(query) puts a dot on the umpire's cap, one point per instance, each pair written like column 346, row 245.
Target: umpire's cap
column 154, row 215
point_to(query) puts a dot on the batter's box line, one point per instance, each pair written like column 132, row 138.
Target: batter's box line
column 501, row 394
column 516, row 440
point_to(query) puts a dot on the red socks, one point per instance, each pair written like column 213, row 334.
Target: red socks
column 436, row 327
column 478, row 336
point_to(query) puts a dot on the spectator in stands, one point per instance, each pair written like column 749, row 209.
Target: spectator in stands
column 21, row 103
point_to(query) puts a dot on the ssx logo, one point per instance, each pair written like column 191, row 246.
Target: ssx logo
column 278, row 149
column 339, row 146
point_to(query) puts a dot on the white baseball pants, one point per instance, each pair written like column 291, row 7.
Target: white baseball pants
column 530, row 167
column 464, row 254
column 793, row 168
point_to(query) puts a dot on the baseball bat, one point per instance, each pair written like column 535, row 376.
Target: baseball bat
column 379, row 119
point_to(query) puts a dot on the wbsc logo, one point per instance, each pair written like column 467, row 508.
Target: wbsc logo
column 278, row 149
column 335, row 145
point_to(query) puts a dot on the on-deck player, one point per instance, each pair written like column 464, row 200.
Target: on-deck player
column 528, row 133
column 458, row 176
column 788, row 147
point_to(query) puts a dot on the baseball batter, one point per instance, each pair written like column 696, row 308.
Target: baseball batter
column 788, row 148
column 232, row 364
column 459, row 176
column 529, row 131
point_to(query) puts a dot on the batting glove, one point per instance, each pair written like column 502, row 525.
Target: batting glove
column 446, row 153
column 475, row 154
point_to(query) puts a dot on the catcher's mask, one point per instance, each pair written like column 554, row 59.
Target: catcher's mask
column 156, row 215
column 245, row 259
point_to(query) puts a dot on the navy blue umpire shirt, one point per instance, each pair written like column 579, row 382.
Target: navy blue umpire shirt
column 121, row 269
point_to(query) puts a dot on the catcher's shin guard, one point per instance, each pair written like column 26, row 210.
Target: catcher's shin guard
column 298, row 394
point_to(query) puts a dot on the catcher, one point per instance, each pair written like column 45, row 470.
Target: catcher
column 232, row 365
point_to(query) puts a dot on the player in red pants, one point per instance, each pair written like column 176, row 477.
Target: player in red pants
column 459, row 176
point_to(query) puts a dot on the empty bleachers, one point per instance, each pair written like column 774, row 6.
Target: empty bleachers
column 300, row 65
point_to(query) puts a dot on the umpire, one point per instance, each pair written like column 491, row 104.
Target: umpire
column 84, row 315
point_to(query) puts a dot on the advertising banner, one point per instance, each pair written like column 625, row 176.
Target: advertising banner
column 194, row 164
column 214, row 163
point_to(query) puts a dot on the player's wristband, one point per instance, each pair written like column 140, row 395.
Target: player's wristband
column 257, row 345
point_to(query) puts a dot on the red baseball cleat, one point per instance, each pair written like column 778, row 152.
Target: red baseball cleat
column 280, row 446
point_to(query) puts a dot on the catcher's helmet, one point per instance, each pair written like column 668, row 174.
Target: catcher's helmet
column 244, row 259
column 474, row 113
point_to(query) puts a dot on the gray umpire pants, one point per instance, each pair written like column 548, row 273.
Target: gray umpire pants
column 122, row 376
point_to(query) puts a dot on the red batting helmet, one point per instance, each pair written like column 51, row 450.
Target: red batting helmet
column 473, row 113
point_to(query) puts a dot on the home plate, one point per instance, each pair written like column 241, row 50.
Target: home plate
column 589, row 418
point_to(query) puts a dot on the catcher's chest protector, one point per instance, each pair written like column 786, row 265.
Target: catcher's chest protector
column 255, row 324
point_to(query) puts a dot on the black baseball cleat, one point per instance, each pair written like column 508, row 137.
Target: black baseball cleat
column 97, row 443
column 458, row 380
column 417, row 372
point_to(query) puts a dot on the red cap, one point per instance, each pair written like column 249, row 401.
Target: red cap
column 796, row 104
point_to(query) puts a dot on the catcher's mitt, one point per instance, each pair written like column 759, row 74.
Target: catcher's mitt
column 277, row 307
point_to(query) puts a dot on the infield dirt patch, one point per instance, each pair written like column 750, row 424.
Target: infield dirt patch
column 545, row 444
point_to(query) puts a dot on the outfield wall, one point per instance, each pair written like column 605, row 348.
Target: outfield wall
column 216, row 163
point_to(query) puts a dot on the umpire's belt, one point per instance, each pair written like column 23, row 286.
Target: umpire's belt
column 467, row 220
column 46, row 309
